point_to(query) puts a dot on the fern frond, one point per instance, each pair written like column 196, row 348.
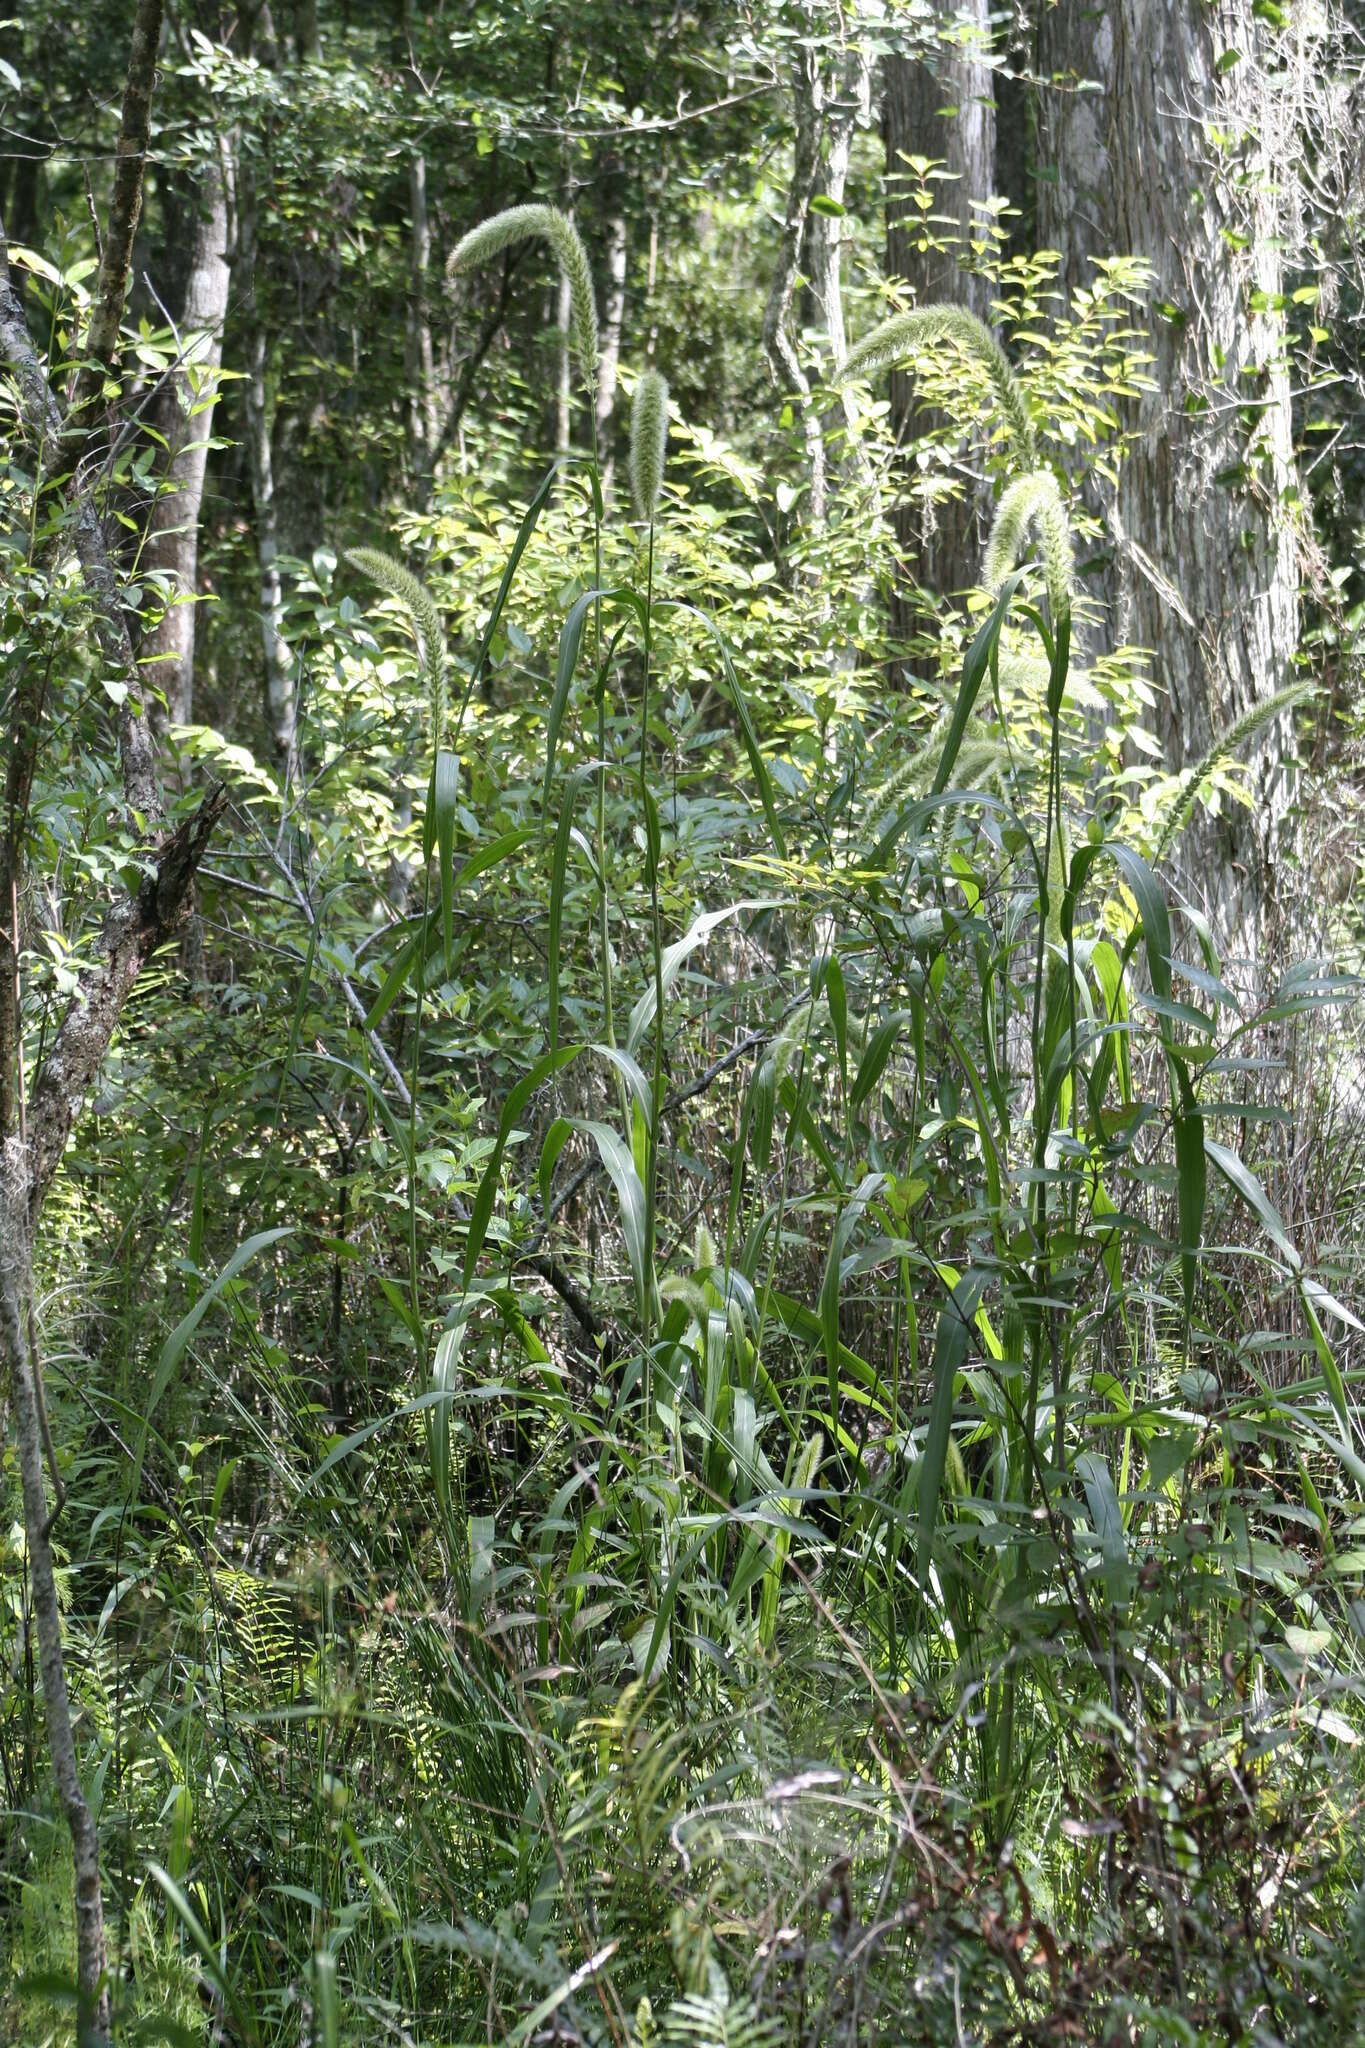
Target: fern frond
column 899, row 339
column 421, row 607
column 546, row 224
column 1238, row 733
column 1032, row 500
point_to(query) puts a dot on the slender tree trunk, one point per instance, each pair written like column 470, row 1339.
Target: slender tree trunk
column 941, row 108
column 280, row 710
column 783, row 360
column 306, row 45
column 184, row 416
column 35, row 1134
column 847, row 107
column 613, row 313
column 1206, row 558
column 825, row 232
column 111, row 284
column 423, row 427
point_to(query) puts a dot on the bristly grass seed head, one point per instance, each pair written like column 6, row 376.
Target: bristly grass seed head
column 1032, row 500
column 897, row 339
column 546, row 224
column 421, row 607
column 648, row 441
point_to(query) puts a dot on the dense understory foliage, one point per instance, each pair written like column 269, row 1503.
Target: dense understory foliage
column 705, row 1357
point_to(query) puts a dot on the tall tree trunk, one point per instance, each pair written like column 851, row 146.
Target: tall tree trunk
column 783, row 361
column 421, row 375
column 850, row 104
column 1206, row 559
column 940, row 107
column 280, row 709
column 613, row 313
column 184, row 417
column 306, row 44
column 35, row 1134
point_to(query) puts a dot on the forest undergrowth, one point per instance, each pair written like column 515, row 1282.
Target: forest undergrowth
column 733, row 1415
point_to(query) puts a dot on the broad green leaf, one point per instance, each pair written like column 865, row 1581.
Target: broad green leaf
column 616, row 1157
column 847, row 1223
column 556, row 1138
column 173, row 1350
column 524, row 532
column 1107, row 1521
column 1192, row 1172
column 445, row 1367
column 974, row 670
column 1245, row 1183
column 563, row 833
column 876, row 1053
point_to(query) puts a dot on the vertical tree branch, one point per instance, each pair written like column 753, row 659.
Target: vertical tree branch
column 783, row 361
column 111, row 286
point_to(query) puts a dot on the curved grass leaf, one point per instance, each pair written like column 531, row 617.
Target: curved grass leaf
column 974, row 670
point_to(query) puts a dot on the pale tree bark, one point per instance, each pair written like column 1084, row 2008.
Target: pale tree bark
column 850, row 103
column 280, row 708
column 939, row 106
column 1206, row 557
column 423, row 427
column 808, row 97
column 613, row 314
column 184, row 417
column 847, row 106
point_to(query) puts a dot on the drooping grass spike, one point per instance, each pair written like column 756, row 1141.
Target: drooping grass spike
column 546, row 224
column 899, row 338
column 426, row 621
column 1238, row 733
column 1032, row 500
column 648, row 441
